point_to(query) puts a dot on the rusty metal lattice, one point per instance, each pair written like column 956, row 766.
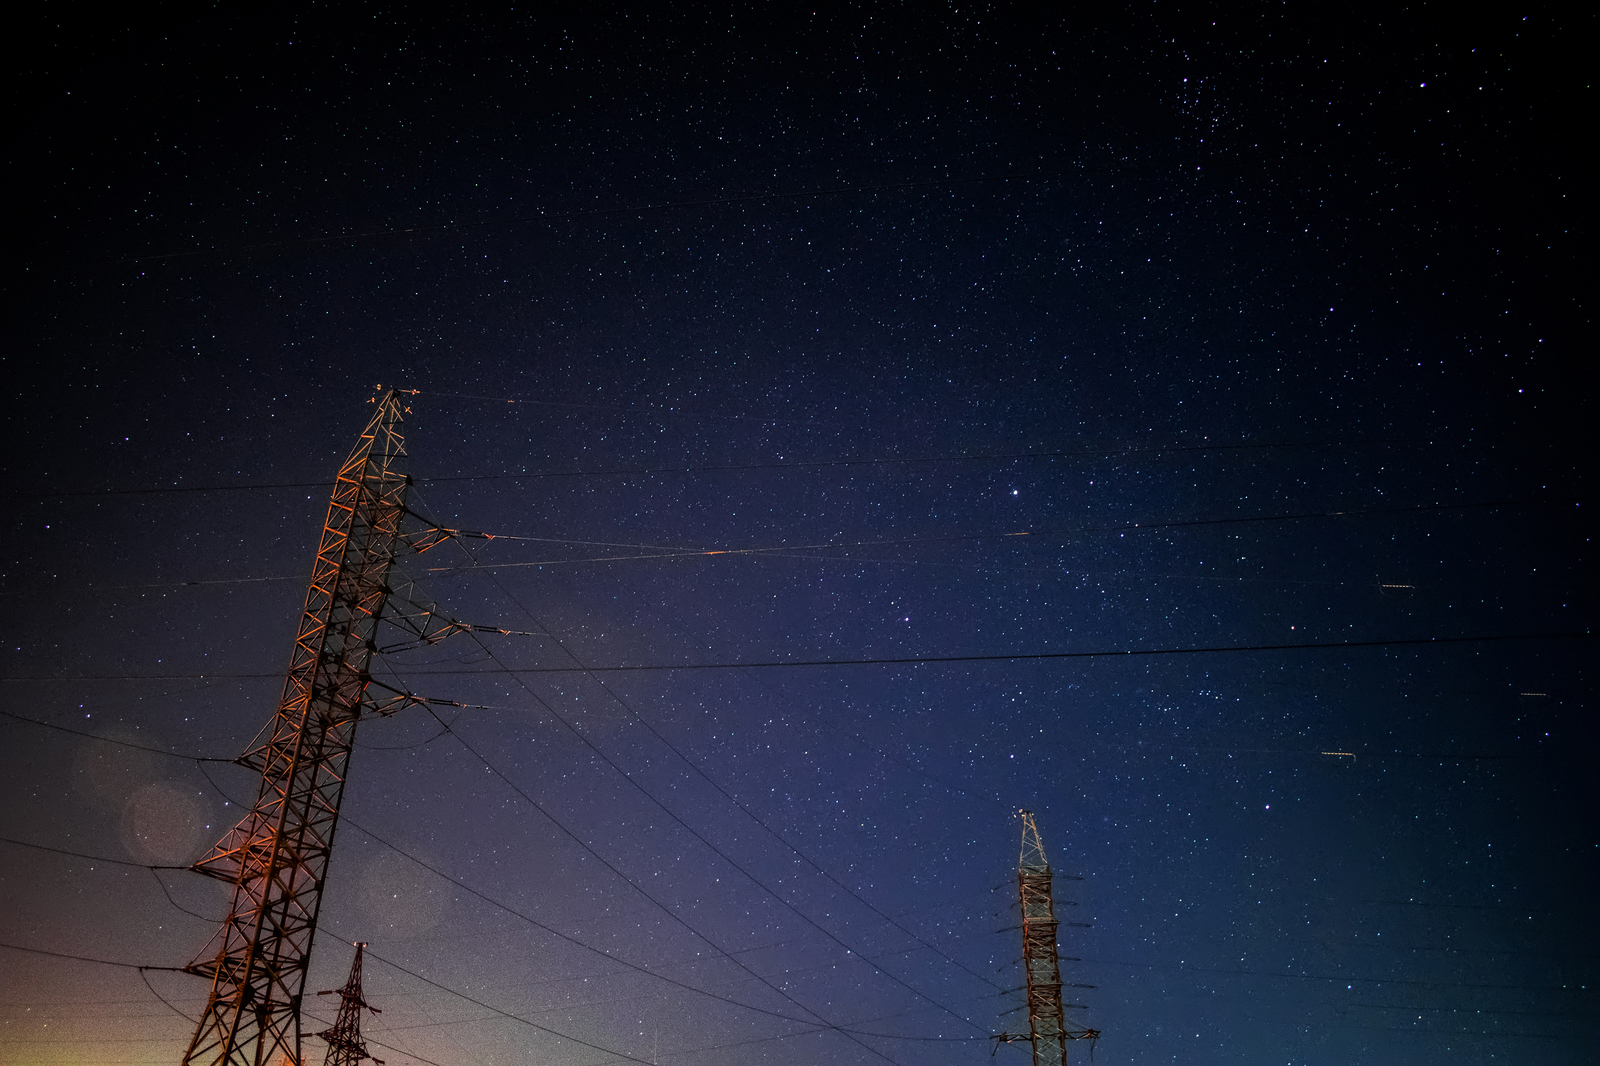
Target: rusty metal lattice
column 1047, row 1028
column 345, row 1046
column 276, row 858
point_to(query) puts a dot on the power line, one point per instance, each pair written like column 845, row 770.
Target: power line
column 696, row 834
column 814, row 1029
column 1073, row 531
column 177, row 755
column 615, row 697
column 608, row 956
column 108, row 740
column 152, row 989
column 906, row 660
column 86, row 958
column 445, row 728
column 657, row 551
column 724, row 856
column 92, row 858
column 462, row 995
column 507, row 1014
column 625, row 963
column 919, row 660
column 730, row 956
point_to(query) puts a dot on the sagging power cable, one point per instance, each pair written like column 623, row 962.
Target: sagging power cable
column 445, row 729
column 696, row 833
column 700, row 772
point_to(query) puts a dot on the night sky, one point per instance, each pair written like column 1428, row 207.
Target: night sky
column 1168, row 419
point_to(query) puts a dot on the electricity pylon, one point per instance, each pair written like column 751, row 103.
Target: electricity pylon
column 277, row 857
column 1047, row 1029
column 345, row 1046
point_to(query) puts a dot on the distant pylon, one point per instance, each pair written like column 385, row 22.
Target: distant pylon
column 345, row 1046
column 277, row 857
column 1047, row 1029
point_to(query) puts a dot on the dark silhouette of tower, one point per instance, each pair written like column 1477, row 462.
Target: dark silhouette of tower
column 1046, row 1024
column 345, row 1046
column 277, row 857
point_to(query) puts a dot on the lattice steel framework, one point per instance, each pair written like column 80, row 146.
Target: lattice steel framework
column 277, row 857
column 1041, row 963
column 345, row 1046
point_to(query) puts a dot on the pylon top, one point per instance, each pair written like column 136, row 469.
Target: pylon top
column 1032, row 857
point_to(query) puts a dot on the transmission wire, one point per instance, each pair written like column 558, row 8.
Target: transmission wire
column 108, row 740
column 670, row 552
column 748, row 812
column 638, row 888
column 730, row 956
column 908, row 660
column 563, row 936
column 676, row 818
column 507, row 1014
column 445, row 728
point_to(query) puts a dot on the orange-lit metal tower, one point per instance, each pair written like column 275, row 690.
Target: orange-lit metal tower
column 277, row 857
column 1046, row 1023
column 345, row 1046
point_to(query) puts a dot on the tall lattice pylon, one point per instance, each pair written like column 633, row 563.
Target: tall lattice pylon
column 345, row 1046
column 1041, row 963
column 277, row 857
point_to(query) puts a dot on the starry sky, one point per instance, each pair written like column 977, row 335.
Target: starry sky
column 1165, row 418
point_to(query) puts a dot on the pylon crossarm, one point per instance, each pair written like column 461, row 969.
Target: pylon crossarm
column 399, row 699
column 429, row 627
column 432, row 534
column 429, row 537
column 423, row 623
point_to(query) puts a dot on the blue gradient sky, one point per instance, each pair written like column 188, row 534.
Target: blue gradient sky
column 950, row 339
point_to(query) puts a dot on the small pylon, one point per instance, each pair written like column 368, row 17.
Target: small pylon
column 1047, row 1029
column 345, row 1046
